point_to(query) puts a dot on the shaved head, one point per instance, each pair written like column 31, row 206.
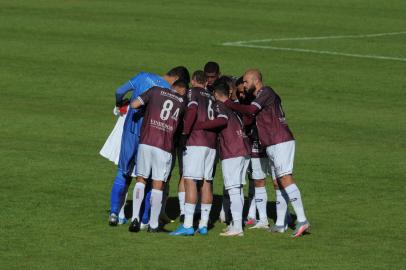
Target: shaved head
column 252, row 81
column 255, row 73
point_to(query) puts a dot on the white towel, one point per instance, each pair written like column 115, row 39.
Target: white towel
column 111, row 148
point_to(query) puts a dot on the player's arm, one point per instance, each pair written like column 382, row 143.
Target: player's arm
column 131, row 85
column 121, row 92
column 136, row 103
column 190, row 118
column 250, row 109
column 218, row 123
column 142, row 99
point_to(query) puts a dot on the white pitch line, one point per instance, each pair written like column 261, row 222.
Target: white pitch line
column 318, row 52
column 315, row 38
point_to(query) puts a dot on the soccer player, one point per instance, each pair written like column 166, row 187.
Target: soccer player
column 131, row 131
column 234, row 152
column 259, row 165
column 163, row 110
column 277, row 138
column 199, row 156
column 258, row 169
column 212, row 72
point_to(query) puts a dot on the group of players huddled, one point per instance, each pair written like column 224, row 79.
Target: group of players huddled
column 237, row 120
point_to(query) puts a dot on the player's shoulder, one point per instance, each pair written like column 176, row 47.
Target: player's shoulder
column 171, row 94
column 220, row 107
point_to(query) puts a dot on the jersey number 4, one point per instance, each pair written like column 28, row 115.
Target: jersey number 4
column 166, row 111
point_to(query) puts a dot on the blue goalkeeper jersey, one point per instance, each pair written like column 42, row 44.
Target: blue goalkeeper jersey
column 138, row 85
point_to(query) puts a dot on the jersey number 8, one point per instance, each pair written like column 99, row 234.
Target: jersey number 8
column 166, row 111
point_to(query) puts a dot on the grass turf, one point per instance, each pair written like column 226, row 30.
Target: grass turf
column 61, row 61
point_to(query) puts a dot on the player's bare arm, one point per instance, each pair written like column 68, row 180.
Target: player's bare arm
column 136, row 104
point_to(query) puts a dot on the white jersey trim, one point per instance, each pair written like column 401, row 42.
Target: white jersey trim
column 191, row 103
column 256, row 104
column 140, row 99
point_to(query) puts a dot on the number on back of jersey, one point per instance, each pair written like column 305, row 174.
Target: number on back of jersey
column 166, row 111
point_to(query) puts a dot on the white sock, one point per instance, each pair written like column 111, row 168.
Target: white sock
column 189, row 212
column 261, row 199
column 281, row 208
column 181, row 196
column 252, row 211
column 122, row 213
column 204, row 215
column 138, row 197
column 296, row 201
column 237, row 205
column 156, row 205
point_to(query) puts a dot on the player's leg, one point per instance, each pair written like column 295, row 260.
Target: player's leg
column 291, row 190
column 252, row 209
column 156, row 203
column 190, row 201
column 181, row 197
column 128, row 150
column 117, row 195
column 193, row 166
column 259, row 172
column 147, row 205
column 144, row 165
column 161, row 167
column 121, row 216
column 232, row 173
column 283, row 159
column 207, row 200
column 207, row 189
column 138, row 197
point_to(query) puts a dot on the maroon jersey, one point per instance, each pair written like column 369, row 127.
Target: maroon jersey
column 270, row 120
column 233, row 140
column 257, row 150
column 163, row 111
column 204, row 101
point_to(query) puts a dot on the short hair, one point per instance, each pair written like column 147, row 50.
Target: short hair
column 212, row 67
column 181, row 72
column 221, row 88
column 181, row 84
column 225, row 79
column 199, row 76
column 239, row 81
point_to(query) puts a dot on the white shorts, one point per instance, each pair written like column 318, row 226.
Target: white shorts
column 234, row 171
column 198, row 162
column 259, row 168
column 281, row 158
column 150, row 158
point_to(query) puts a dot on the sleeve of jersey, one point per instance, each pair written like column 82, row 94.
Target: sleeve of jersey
column 144, row 97
column 122, row 91
column 213, row 124
column 190, row 118
column 244, row 109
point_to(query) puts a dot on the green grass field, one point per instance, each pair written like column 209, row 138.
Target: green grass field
column 60, row 62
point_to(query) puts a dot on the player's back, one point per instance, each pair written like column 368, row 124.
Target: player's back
column 144, row 81
column 164, row 109
column 205, row 112
column 233, row 140
column 270, row 121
